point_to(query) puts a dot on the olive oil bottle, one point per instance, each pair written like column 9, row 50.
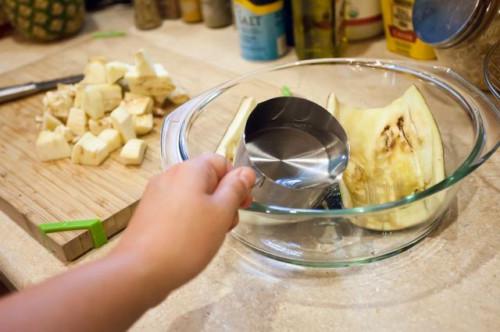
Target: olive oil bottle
column 318, row 28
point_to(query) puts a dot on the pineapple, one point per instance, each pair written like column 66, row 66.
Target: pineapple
column 45, row 20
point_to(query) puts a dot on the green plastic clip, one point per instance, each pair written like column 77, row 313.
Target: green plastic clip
column 285, row 91
column 94, row 226
column 108, row 34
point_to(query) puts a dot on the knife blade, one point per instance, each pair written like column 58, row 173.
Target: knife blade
column 13, row 92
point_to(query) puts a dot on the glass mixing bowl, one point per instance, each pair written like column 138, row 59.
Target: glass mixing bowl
column 468, row 120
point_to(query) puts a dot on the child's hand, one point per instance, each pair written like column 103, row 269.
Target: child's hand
column 177, row 228
column 183, row 218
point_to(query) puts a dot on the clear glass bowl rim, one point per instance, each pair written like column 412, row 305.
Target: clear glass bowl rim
column 421, row 71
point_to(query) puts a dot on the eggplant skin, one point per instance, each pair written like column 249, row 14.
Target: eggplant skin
column 395, row 151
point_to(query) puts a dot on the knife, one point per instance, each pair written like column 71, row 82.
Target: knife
column 12, row 92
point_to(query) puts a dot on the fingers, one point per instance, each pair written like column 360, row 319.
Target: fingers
column 248, row 201
column 234, row 189
column 235, row 222
column 210, row 169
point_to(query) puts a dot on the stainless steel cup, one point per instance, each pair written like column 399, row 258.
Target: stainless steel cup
column 297, row 149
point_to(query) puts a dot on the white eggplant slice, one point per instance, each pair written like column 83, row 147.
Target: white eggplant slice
column 50, row 122
column 395, row 151
column 123, row 122
column 77, row 121
column 229, row 143
column 137, row 104
column 65, row 132
column 52, row 146
column 143, row 124
column 115, row 71
column 112, row 139
column 133, row 152
column 95, row 71
column 89, row 150
column 97, row 126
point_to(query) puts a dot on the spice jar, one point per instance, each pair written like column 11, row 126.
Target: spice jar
column 216, row 13
column 363, row 19
column 462, row 32
column 146, row 14
column 191, row 11
column 261, row 28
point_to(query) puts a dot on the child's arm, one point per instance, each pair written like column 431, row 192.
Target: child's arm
column 177, row 228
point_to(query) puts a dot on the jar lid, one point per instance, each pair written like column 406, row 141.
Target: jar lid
column 444, row 23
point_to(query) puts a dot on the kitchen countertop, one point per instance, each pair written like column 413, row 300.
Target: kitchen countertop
column 449, row 281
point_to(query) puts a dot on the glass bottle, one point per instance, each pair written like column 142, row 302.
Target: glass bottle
column 318, row 28
column 169, row 9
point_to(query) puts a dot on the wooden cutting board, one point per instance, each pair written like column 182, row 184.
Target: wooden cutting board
column 32, row 192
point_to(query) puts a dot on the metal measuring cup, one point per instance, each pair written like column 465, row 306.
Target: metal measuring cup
column 297, row 149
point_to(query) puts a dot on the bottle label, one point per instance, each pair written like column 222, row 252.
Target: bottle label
column 361, row 12
column 402, row 25
column 261, row 29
